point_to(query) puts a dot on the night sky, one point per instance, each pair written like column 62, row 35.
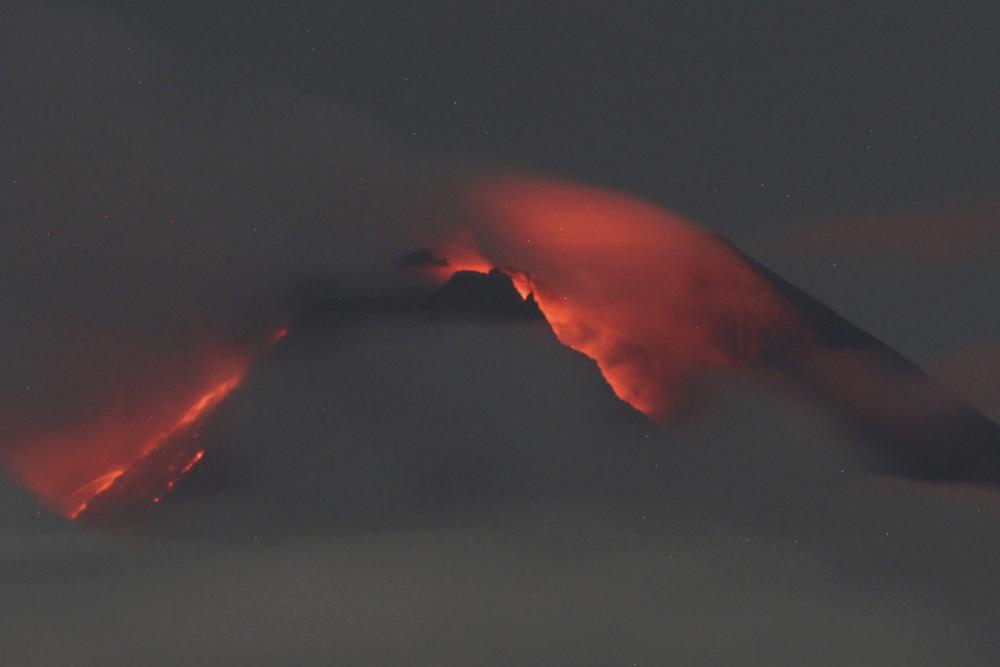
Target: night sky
column 225, row 228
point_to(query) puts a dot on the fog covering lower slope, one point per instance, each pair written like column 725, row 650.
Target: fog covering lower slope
column 511, row 511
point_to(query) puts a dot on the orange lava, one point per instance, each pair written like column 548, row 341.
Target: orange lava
column 653, row 299
column 102, row 451
column 205, row 402
column 199, row 455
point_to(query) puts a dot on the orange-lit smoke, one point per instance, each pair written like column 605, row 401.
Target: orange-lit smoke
column 653, row 299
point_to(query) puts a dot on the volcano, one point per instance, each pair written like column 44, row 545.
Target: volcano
column 664, row 310
column 901, row 421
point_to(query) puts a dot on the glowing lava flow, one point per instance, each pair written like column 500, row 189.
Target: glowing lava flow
column 185, row 469
column 83, row 496
column 133, row 453
column 653, row 299
column 203, row 404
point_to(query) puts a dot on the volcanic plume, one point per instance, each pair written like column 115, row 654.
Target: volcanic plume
column 650, row 297
column 659, row 304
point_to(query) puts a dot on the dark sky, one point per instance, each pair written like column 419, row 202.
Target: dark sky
column 851, row 108
column 757, row 120
column 453, row 489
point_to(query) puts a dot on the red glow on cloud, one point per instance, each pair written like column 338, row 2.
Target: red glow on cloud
column 653, row 299
column 460, row 254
